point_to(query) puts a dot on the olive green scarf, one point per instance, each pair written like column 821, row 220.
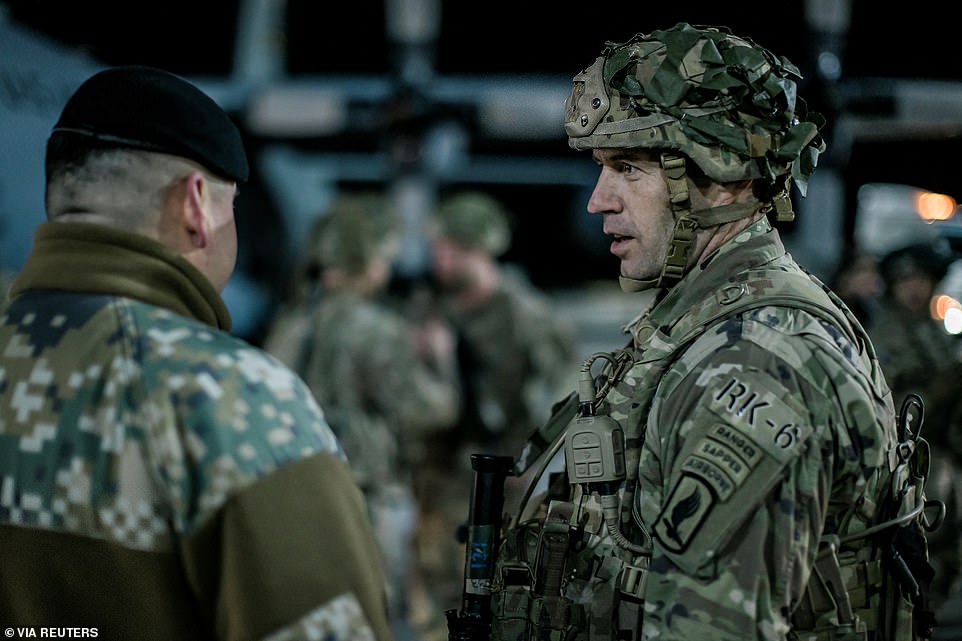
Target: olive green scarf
column 84, row 257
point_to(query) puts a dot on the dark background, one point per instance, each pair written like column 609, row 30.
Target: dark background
column 910, row 40
column 916, row 39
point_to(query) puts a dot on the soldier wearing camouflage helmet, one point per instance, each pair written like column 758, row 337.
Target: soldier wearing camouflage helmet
column 511, row 342
column 162, row 479
column 722, row 464
column 919, row 356
column 474, row 219
column 515, row 354
column 382, row 382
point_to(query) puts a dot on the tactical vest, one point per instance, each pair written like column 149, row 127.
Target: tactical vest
column 556, row 578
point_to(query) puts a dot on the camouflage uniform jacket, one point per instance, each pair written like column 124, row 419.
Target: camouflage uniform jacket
column 359, row 359
column 515, row 353
column 749, row 436
column 159, row 478
column 919, row 356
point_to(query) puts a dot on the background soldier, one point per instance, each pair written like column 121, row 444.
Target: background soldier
column 512, row 345
column 514, row 355
column 381, row 383
column 918, row 356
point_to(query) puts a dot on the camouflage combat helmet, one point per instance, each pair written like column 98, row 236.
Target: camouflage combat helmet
column 355, row 229
column 700, row 93
column 474, row 219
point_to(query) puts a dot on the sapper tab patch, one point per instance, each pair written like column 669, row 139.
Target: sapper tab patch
column 731, row 451
column 721, row 462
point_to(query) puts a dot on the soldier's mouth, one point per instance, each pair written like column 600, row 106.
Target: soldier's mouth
column 619, row 243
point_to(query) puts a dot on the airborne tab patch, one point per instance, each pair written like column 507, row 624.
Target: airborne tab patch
column 728, row 463
column 711, row 474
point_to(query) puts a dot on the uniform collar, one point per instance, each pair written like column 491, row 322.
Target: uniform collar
column 85, row 257
column 758, row 244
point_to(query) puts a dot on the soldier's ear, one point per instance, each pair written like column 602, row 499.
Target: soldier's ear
column 718, row 194
column 193, row 212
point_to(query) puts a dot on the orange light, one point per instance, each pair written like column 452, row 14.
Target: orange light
column 932, row 206
column 941, row 304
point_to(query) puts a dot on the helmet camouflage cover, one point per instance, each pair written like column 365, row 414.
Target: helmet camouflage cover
column 723, row 101
column 474, row 219
column 355, row 230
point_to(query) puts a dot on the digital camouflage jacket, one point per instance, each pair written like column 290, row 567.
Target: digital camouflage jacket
column 159, row 478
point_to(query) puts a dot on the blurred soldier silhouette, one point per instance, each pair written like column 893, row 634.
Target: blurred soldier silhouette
column 514, row 356
column 919, row 356
column 380, row 383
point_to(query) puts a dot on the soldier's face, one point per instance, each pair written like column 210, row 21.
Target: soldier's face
column 455, row 266
column 913, row 292
column 632, row 196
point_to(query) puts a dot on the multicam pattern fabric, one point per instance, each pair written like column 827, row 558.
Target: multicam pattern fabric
column 516, row 355
column 358, row 358
column 750, row 435
column 474, row 219
column 725, row 102
column 919, row 357
column 514, row 352
column 154, row 448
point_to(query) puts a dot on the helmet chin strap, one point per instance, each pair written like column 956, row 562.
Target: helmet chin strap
column 687, row 224
column 631, row 285
column 676, row 262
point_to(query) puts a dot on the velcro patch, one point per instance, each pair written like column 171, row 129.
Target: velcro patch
column 730, row 450
column 711, row 474
column 687, row 507
column 729, row 464
column 758, row 413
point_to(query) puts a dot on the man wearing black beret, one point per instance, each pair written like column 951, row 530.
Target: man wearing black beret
column 160, row 478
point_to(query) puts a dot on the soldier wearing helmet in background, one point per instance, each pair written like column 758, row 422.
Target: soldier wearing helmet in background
column 919, row 356
column 514, row 357
column 381, row 385
column 512, row 348
column 719, row 466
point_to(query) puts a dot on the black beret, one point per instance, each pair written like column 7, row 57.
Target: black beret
column 147, row 108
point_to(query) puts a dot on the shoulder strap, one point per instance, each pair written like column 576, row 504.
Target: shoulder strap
column 798, row 290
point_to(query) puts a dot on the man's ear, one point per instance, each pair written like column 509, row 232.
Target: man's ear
column 194, row 202
column 726, row 193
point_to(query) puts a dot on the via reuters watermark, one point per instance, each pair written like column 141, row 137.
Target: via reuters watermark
column 43, row 632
